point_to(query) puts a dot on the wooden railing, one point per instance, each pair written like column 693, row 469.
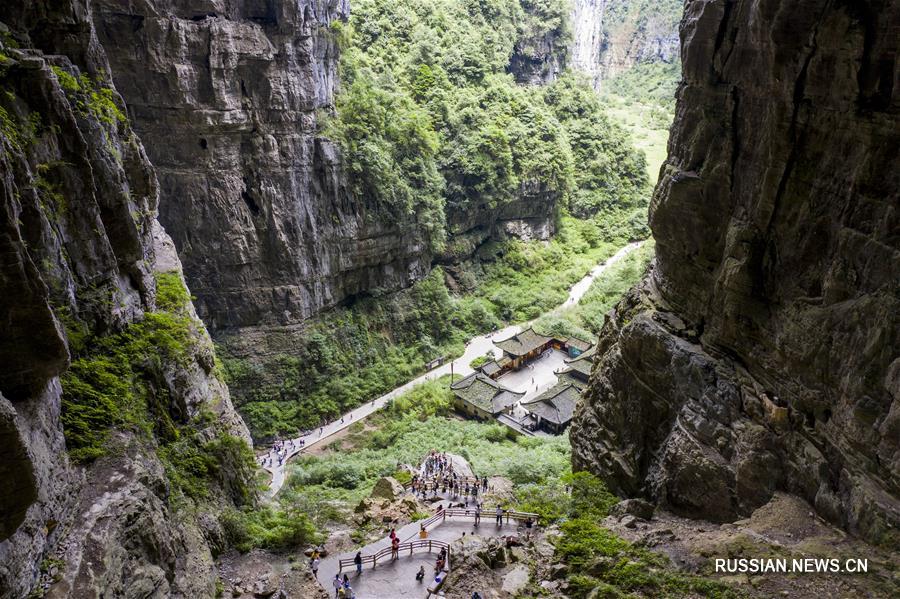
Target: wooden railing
column 429, row 545
column 489, row 513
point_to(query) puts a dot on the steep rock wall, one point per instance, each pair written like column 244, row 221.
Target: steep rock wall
column 611, row 36
column 227, row 97
column 761, row 351
column 79, row 250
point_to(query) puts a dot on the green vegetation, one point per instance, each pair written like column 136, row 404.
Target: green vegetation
column 91, row 96
column 480, row 361
column 650, row 83
column 328, row 485
column 9, row 129
column 431, row 126
column 642, row 98
column 268, row 527
column 586, row 319
column 117, row 382
column 354, row 354
column 602, row 564
column 429, row 122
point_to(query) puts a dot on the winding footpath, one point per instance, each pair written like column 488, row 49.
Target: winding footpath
column 477, row 346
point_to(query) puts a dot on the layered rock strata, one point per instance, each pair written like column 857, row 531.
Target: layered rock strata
column 761, row 351
column 228, row 99
column 79, row 251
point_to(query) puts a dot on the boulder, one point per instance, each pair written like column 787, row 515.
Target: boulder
column 635, row 507
column 387, row 488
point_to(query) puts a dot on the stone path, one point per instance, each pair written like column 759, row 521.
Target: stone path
column 396, row 579
column 477, row 346
column 393, row 580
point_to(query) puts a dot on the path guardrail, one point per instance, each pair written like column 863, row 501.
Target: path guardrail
column 489, row 513
column 428, row 544
column 431, row 483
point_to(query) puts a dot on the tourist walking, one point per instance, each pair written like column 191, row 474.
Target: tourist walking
column 499, row 514
column 337, row 583
column 395, row 548
column 420, row 575
column 314, row 565
column 358, row 561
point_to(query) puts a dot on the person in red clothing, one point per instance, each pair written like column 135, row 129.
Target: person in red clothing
column 395, row 548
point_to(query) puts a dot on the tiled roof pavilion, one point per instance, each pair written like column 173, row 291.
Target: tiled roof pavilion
column 523, row 343
column 485, row 393
column 556, row 404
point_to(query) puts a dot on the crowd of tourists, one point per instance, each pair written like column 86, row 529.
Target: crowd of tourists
column 281, row 451
column 440, row 476
column 437, row 475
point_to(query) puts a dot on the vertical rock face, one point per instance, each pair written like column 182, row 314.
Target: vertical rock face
column 761, row 351
column 587, row 37
column 611, row 36
column 79, row 248
column 227, row 97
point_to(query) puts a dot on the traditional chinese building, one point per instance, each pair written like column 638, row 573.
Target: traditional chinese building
column 553, row 409
column 524, row 346
column 479, row 396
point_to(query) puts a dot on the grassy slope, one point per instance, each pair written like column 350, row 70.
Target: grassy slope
column 647, row 137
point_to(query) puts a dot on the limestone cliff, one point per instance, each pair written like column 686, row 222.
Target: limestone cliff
column 80, row 256
column 761, row 351
column 227, row 98
column 611, row 36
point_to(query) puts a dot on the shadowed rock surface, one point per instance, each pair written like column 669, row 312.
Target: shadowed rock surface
column 79, row 249
column 761, row 351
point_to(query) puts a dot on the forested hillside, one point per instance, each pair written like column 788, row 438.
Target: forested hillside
column 431, row 120
column 521, row 188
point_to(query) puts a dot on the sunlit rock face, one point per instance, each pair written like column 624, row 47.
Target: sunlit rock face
column 611, row 36
column 229, row 100
column 761, row 351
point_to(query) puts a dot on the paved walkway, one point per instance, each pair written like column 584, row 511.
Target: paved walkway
column 477, row 346
column 580, row 288
column 396, row 579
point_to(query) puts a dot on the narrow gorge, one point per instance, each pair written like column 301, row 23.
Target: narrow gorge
column 449, row 298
